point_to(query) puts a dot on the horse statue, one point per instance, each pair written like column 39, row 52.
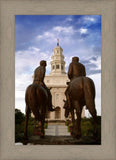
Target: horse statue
column 36, row 99
column 82, row 92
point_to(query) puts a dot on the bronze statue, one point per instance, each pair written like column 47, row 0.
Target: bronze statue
column 75, row 70
column 82, row 92
column 38, row 98
column 39, row 75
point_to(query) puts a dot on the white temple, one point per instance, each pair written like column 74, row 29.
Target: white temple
column 56, row 80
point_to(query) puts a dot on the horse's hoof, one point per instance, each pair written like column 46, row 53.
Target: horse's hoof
column 25, row 140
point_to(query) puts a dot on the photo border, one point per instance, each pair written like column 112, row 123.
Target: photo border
column 8, row 10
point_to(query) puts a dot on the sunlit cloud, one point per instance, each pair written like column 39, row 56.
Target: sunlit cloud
column 69, row 19
column 46, row 35
column 64, row 29
column 83, row 30
column 89, row 19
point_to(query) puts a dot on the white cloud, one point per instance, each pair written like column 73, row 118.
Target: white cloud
column 69, row 19
column 39, row 37
column 83, row 30
column 25, row 63
column 22, row 81
column 89, row 19
column 47, row 34
column 97, row 81
column 64, row 29
column 20, row 103
column 51, row 35
column 97, row 62
column 34, row 49
column 61, row 32
column 29, row 58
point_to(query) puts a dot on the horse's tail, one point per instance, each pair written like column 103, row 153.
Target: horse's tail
column 89, row 93
column 30, row 94
column 31, row 100
column 89, row 90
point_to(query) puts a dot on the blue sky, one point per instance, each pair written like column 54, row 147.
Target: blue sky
column 36, row 36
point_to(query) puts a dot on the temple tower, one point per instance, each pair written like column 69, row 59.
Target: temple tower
column 57, row 81
column 57, row 61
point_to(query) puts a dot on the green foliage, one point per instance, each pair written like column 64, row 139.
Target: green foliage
column 45, row 125
column 87, row 126
column 20, row 123
column 19, row 131
column 19, row 116
column 68, row 122
column 30, row 130
column 70, row 125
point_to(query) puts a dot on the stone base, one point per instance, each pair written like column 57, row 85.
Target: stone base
column 61, row 140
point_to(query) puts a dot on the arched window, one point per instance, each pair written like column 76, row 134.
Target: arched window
column 57, row 66
column 62, row 67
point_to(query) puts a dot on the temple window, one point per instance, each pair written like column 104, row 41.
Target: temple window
column 57, row 66
column 62, row 67
column 57, row 113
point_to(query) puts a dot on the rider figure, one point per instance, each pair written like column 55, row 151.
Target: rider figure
column 39, row 75
column 75, row 70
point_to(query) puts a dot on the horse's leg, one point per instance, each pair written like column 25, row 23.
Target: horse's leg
column 72, row 116
column 42, row 121
column 36, row 114
column 73, row 121
column 27, row 112
column 78, row 113
column 92, row 110
column 42, row 126
column 77, row 126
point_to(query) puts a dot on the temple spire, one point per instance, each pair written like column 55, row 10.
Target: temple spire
column 57, row 42
column 57, row 62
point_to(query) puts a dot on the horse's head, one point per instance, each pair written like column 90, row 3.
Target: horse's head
column 66, row 108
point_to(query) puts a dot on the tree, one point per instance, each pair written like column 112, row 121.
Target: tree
column 19, row 116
